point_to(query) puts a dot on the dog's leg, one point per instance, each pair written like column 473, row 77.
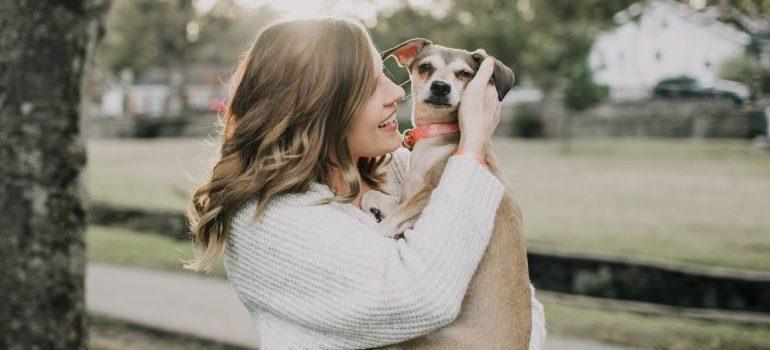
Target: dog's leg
column 403, row 213
column 406, row 213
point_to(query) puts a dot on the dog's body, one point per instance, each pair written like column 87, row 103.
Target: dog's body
column 496, row 311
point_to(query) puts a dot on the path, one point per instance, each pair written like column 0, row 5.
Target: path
column 202, row 306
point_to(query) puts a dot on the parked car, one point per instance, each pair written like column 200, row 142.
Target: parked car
column 685, row 86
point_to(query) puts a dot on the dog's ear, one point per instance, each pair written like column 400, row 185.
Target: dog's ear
column 502, row 75
column 406, row 52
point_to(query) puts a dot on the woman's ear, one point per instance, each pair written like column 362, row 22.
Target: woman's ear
column 406, row 51
column 502, row 76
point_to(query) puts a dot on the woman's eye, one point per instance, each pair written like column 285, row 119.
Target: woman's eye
column 425, row 68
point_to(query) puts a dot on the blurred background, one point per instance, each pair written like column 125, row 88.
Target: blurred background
column 636, row 140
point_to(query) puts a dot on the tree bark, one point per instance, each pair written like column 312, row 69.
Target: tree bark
column 44, row 47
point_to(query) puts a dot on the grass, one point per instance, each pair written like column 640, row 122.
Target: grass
column 130, row 248
column 703, row 202
column 652, row 332
column 152, row 173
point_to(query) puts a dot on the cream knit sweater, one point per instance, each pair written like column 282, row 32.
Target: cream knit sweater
column 320, row 277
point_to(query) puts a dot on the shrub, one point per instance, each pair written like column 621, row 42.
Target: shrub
column 527, row 121
column 149, row 127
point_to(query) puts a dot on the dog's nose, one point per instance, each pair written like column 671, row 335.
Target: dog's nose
column 440, row 88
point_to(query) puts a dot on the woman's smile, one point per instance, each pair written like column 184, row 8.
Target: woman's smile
column 389, row 125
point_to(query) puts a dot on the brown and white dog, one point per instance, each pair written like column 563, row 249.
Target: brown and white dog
column 496, row 311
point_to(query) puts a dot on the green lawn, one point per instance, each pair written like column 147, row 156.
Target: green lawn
column 153, row 173
column 701, row 202
column 654, row 332
column 131, row 248
column 705, row 202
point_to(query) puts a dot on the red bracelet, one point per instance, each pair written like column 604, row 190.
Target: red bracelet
column 479, row 159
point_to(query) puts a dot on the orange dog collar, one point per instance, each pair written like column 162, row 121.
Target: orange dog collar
column 411, row 136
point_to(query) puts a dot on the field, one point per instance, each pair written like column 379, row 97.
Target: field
column 129, row 248
column 703, row 202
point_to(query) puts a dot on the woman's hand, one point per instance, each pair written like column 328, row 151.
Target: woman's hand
column 479, row 110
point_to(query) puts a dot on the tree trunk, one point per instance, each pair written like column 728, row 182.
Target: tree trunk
column 44, row 47
column 565, row 133
column 175, row 51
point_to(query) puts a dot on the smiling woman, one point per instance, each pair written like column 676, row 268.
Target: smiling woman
column 291, row 124
column 308, row 130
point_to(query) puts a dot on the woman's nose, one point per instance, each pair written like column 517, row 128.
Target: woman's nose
column 400, row 93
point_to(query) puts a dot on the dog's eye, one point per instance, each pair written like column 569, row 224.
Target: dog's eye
column 425, row 68
column 464, row 74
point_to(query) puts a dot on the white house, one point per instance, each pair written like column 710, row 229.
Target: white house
column 658, row 39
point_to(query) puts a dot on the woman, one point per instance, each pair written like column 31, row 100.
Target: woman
column 301, row 144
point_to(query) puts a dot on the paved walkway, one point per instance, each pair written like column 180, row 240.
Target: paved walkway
column 197, row 305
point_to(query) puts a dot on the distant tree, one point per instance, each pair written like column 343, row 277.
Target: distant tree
column 580, row 94
column 563, row 33
column 173, row 34
column 44, row 48
column 749, row 71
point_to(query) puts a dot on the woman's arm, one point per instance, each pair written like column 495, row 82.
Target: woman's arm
column 324, row 270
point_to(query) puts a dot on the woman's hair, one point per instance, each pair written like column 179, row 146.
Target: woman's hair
column 293, row 97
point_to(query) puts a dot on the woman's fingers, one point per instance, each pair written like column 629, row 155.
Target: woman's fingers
column 490, row 95
column 490, row 98
column 482, row 75
column 477, row 112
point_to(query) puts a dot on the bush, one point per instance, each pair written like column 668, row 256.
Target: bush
column 527, row 121
column 582, row 92
column 149, row 127
column 749, row 71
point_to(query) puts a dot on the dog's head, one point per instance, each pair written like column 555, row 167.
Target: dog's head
column 439, row 74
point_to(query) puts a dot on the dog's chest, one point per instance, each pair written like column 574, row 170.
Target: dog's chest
column 421, row 161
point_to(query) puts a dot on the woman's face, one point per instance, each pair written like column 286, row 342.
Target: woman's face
column 367, row 138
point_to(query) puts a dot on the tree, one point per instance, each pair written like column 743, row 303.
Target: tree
column 749, row 71
column 146, row 33
column 45, row 46
column 175, row 34
column 580, row 94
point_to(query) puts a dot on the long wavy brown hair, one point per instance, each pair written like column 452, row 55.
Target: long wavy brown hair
column 293, row 97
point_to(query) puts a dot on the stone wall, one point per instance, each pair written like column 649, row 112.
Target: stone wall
column 662, row 118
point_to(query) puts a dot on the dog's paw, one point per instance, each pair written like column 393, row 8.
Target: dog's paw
column 379, row 204
column 377, row 214
column 406, row 225
column 389, row 228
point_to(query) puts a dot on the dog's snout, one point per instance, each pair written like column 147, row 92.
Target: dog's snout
column 440, row 88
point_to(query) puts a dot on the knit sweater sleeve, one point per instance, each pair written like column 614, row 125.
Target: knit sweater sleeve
column 397, row 170
column 318, row 267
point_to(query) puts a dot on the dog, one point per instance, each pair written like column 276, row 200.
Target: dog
column 496, row 311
